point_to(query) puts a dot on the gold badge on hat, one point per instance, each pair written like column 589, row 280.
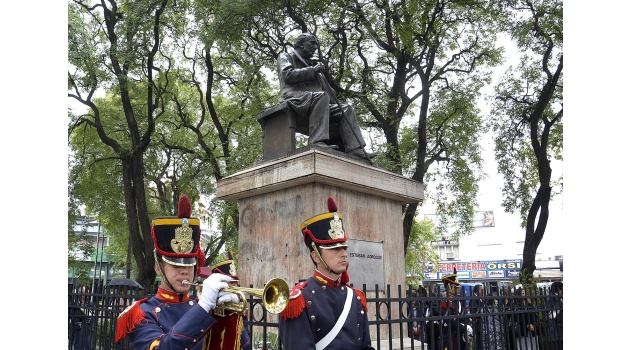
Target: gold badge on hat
column 183, row 242
column 232, row 270
column 336, row 228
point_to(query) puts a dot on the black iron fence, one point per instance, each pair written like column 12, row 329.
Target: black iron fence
column 398, row 320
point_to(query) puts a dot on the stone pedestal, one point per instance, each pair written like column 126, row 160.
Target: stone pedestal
column 274, row 198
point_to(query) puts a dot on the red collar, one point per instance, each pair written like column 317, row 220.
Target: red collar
column 326, row 280
column 170, row 296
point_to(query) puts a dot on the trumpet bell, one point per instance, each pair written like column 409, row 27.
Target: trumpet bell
column 275, row 296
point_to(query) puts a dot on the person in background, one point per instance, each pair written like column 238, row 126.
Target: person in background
column 448, row 333
column 224, row 336
column 305, row 89
column 424, row 307
column 555, row 321
column 433, row 327
column 81, row 321
column 526, row 322
column 477, row 308
column 170, row 319
column 414, row 328
column 493, row 327
column 506, row 305
column 325, row 312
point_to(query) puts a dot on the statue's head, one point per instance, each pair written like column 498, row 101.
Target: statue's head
column 303, row 38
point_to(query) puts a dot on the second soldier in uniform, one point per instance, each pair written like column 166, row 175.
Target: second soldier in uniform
column 324, row 311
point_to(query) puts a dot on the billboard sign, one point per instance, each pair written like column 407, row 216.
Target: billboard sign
column 472, row 270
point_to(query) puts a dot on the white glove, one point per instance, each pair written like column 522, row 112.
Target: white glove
column 210, row 290
column 227, row 297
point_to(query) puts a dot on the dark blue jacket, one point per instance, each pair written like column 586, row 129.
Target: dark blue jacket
column 314, row 308
column 165, row 322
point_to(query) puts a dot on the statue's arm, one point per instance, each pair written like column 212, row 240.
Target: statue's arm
column 292, row 75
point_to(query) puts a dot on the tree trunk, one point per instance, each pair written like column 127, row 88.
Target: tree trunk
column 146, row 272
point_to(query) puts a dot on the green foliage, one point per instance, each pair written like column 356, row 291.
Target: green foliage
column 527, row 118
column 420, row 253
column 272, row 341
column 79, row 246
column 412, row 70
column 525, row 130
column 456, row 176
column 174, row 124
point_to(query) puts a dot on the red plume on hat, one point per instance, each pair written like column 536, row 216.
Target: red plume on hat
column 184, row 211
column 331, row 205
column 184, row 207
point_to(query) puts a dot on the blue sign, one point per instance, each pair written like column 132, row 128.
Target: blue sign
column 473, row 270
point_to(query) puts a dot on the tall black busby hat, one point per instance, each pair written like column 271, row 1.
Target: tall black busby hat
column 177, row 238
column 226, row 267
column 325, row 230
column 450, row 279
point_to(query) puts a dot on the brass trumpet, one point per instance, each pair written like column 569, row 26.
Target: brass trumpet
column 274, row 295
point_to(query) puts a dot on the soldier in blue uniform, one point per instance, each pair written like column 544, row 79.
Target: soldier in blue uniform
column 449, row 333
column 234, row 321
column 325, row 312
column 170, row 319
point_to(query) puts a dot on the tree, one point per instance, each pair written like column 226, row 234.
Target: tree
column 119, row 50
column 440, row 53
column 421, row 255
column 412, row 70
column 527, row 119
column 178, row 84
column 171, row 108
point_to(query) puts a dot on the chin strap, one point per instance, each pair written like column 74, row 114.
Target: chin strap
column 162, row 275
column 321, row 259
